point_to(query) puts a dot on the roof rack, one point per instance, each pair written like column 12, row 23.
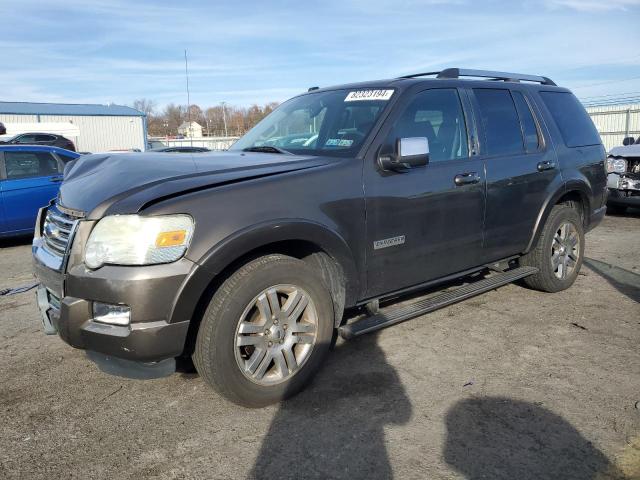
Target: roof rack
column 466, row 72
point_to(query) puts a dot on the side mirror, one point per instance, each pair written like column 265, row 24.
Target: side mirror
column 628, row 141
column 410, row 153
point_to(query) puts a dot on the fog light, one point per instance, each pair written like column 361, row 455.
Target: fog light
column 113, row 314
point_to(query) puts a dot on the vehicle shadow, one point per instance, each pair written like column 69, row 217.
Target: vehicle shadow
column 15, row 241
column 335, row 428
column 630, row 212
column 503, row 438
column 625, row 281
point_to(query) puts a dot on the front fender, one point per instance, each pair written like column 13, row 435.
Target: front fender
column 239, row 244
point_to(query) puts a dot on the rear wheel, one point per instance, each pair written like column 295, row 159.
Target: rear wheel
column 266, row 331
column 558, row 253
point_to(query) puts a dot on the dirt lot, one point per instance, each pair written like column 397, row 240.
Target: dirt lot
column 514, row 384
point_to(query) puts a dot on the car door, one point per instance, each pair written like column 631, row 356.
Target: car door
column 3, row 222
column 521, row 168
column 31, row 180
column 424, row 223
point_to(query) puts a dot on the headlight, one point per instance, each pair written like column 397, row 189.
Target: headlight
column 138, row 240
column 617, row 165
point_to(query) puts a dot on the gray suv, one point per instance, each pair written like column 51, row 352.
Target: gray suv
column 623, row 179
column 343, row 199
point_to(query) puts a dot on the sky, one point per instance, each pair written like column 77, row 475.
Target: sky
column 246, row 52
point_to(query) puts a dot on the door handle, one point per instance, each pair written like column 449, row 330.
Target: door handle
column 55, row 179
column 466, row 178
column 546, row 165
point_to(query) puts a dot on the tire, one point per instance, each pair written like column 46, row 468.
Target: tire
column 549, row 249
column 242, row 312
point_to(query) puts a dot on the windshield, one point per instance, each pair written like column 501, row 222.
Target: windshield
column 324, row 123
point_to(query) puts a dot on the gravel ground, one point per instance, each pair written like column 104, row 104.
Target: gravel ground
column 514, row 384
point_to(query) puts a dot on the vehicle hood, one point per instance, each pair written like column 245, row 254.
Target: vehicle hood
column 626, row 151
column 124, row 183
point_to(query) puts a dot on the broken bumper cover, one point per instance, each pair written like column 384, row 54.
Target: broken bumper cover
column 143, row 341
column 624, row 190
column 619, row 198
column 66, row 305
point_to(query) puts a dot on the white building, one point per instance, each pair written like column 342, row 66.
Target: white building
column 92, row 128
column 190, row 129
column 615, row 122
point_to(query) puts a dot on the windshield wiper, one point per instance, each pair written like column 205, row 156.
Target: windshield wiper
column 264, row 149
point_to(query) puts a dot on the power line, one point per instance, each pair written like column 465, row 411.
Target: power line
column 607, row 83
column 610, row 95
column 622, row 101
column 613, row 99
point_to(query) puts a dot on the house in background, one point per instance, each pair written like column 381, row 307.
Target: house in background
column 190, row 130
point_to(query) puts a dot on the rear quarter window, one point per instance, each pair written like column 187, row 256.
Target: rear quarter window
column 575, row 126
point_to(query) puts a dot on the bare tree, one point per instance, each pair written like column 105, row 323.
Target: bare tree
column 174, row 116
column 212, row 119
column 145, row 106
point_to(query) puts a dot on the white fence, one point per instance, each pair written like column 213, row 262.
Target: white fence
column 615, row 122
column 212, row 143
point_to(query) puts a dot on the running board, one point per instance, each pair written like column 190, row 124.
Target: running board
column 391, row 315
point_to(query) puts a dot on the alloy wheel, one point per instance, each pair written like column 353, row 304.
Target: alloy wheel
column 565, row 250
column 276, row 334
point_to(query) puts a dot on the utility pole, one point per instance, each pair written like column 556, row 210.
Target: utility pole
column 186, row 74
column 224, row 119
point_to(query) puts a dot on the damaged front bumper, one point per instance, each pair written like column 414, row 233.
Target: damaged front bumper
column 624, row 190
column 68, row 291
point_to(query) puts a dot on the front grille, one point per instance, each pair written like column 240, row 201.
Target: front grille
column 56, row 230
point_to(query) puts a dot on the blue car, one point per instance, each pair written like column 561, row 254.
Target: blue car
column 30, row 176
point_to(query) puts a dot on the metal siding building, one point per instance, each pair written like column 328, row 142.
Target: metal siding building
column 102, row 127
column 615, row 122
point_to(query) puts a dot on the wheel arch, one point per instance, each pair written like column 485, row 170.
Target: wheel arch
column 314, row 243
column 576, row 193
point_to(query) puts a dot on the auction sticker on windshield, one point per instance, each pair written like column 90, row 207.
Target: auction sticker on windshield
column 359, row 95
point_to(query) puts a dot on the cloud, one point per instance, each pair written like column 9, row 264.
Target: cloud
column 593, row 5
column 119, row 50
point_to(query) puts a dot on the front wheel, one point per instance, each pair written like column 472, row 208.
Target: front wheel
column 266, row 331
column 558, row 253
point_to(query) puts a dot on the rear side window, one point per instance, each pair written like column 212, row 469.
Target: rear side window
column 29, row 164
column 532, row 141
column 500, row 121
column 45, row 138
column 575, row 126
